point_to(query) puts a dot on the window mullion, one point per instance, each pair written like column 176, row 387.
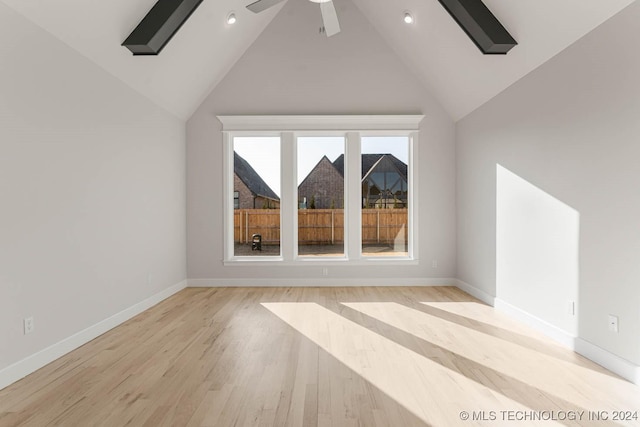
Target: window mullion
column 289, row 197
column 353, row 198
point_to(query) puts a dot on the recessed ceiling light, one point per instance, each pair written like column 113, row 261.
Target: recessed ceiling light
column 231, row 18
column 408, row 18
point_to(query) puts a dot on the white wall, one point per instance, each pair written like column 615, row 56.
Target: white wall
column 92, row 192
column 536, row 251
column 571, row 129
column 292, row 69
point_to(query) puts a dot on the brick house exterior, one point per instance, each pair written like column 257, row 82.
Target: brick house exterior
column 249, row 189
column 384, row 183
column 324, row 184
column 244, row 198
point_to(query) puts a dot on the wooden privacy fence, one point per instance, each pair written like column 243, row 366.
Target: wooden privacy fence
column 386, row 226
column 321, row 226
column 247, row 222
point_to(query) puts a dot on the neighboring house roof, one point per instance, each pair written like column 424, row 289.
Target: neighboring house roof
column 369, row 161
column 251, row 179
column 324, row 159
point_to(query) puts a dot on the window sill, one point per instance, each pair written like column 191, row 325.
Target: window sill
column 280, row 262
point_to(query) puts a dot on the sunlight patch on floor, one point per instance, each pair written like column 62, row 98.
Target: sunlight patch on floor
column 577, row 386
column 435, row 394
column 485, row 314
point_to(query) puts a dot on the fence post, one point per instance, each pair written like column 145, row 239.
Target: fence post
column 246, row 226
column 378, row 225
column 332, row 226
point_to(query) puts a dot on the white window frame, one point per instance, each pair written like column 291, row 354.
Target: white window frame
column 288, row 129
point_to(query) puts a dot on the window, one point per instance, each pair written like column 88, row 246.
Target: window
column 256, row 181
column 320, row 196
column 308, row 189
column 385, row 196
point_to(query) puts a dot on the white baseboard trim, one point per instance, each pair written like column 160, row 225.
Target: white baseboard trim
column 30, row 364
column 559, row 335
column 604, row 358
column 476, row 292
column 317, row 282
column 610, row 361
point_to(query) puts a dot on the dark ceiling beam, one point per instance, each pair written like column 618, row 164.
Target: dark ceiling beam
column 161, row 23
column 480, row 25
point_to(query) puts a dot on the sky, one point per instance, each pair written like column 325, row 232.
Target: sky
column 263, row 153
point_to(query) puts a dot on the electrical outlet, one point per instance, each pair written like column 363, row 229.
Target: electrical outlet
column 325, row 271
column 434, row 263
column 29, row 325
column 613, row 323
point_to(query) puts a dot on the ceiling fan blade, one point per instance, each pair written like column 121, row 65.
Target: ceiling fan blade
column 330, row 18
column 261, row 5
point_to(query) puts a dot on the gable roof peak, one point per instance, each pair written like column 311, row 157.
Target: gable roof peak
column 254, row 182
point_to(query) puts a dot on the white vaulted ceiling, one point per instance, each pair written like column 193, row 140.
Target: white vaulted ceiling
column 453, row 68
column 184, row 73
column 206, row 48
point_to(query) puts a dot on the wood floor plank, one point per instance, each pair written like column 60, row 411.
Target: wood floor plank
column 315, row 357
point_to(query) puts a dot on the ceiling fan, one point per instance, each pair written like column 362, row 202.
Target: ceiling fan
column 329, row 15
column 167, row 16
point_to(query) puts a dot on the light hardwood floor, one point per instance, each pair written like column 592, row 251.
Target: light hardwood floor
column 322, row 356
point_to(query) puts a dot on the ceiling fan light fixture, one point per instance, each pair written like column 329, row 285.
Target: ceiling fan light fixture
column 330, row 21
column 231, row 18
column 408, row 18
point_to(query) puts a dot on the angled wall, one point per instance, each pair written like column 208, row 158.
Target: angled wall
column 570, row 129
column 292, row 69
column 92, row 193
